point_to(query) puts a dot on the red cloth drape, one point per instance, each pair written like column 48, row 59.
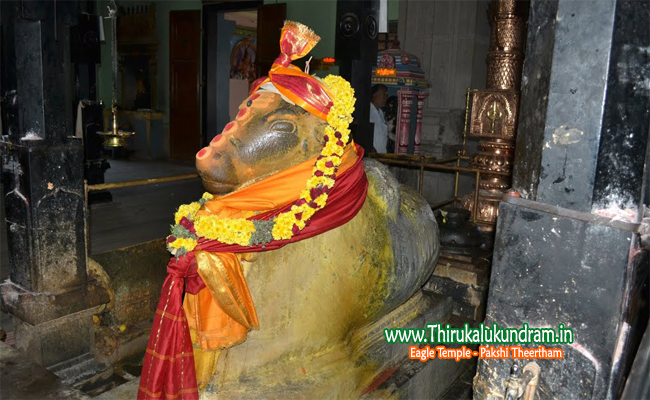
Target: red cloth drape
column 168, row 371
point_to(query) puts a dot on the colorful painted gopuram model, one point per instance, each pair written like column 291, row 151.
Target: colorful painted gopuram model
column 286, row 272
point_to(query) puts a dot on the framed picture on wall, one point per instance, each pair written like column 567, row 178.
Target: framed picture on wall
column 242, row 60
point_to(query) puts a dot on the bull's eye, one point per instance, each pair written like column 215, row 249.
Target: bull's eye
column 283, row 126
column 250, row 103
column 235, row 142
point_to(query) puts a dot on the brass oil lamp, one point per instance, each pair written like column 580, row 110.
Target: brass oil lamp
column 114, row 137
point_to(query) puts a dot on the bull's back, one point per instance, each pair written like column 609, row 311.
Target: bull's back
column 312, row 295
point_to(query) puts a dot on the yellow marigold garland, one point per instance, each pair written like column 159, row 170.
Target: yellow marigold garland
column 190, row 228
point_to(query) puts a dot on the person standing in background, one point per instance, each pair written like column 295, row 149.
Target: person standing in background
column 390, row 113
column 378, row 101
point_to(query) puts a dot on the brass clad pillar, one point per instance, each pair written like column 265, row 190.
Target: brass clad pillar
column 494, row 110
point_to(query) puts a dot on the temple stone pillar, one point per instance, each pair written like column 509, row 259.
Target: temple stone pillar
column 451, row 40
column 566, row 252
column 584, row 119
column 356, row 53
column 49, row 293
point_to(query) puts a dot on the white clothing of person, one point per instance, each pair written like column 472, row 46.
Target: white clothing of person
column 381, row 129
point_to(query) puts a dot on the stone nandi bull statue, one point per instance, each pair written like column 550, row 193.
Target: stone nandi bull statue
column 286, row 283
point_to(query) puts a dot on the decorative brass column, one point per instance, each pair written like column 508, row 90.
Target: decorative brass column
column 494, row 110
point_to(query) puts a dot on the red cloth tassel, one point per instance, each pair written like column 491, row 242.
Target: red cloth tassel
column 168, row 371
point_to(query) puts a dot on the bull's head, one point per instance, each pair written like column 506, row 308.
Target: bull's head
column 267, row 136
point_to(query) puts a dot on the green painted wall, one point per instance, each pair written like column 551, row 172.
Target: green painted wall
column 104, row 70
column 393, row 10
column 319, row 15
column 162, row 26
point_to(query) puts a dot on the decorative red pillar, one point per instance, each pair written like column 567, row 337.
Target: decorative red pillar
column 404, row 77
column 406, row 97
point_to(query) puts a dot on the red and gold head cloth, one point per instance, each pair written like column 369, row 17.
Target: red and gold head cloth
column 306, row 91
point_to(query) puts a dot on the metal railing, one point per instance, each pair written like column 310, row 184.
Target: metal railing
column 403, row 160
column 431, row 163
column 424, row 163
column 120, row 185
column 139, row 182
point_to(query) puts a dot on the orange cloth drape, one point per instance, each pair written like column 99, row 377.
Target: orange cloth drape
column 304, row 90
column 220, row 315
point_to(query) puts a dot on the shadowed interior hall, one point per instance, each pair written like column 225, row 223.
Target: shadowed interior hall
column 305, row 198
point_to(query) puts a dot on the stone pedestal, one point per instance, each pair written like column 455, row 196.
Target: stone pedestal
column 566, row 252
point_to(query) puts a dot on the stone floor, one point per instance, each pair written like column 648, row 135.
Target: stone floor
column 23, row 379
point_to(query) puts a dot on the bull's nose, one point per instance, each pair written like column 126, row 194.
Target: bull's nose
column 203, row 153
column 229, row 126
column 216, row 139
column 243, row 114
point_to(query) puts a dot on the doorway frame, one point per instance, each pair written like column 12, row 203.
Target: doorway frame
column 170, row 60
column 209, row 30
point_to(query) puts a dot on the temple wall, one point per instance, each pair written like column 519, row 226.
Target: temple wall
column 451, row 38
column 320, row 15
column 104, row 91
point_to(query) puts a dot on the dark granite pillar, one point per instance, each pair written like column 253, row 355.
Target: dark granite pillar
column 584, row 109
column 356, row 53
column 49, row 295
column 567, row 252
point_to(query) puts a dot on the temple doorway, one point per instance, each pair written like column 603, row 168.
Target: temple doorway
column 238, row 38
column 242, row 57
column 184, row 84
